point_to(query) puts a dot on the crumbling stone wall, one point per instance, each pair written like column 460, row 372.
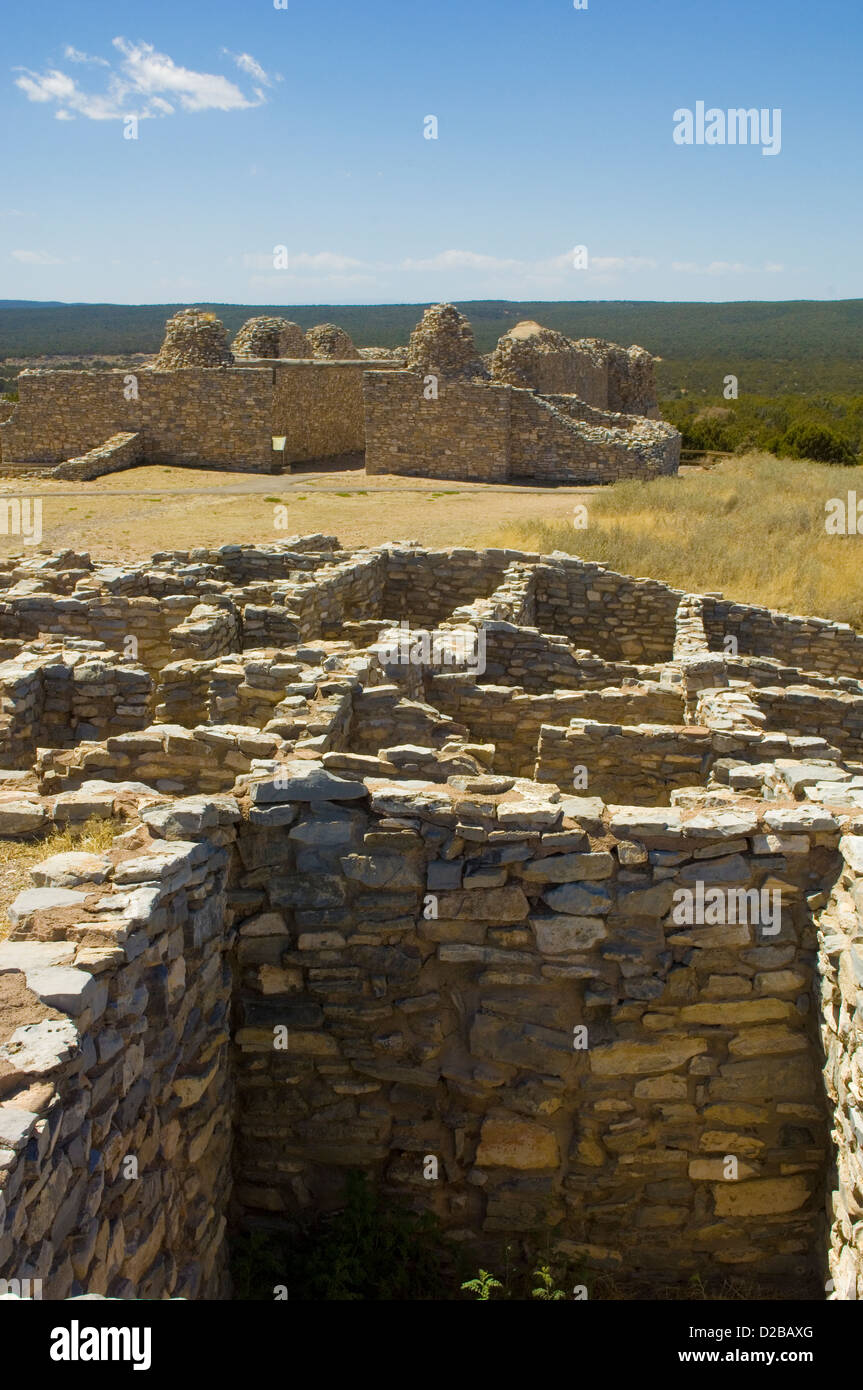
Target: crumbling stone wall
column 841, row 967
column 559, row 439
column 511, row 719
column 190, row 416
column 836, row 715
column 266, row 336
column 637, row 763
column 489, row 432
column 452, row 1035
column 328, row 340
column 631, row 381
column 53, row 695
column 442, row 344
column 469, row 965
column 540, row 359
column 194, row 338
column 198, row 405
column 115, row 1115
column 123, row 450
column 615, row 616
column 423, row 587
column 810, row 644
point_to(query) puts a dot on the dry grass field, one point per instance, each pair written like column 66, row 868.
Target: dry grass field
column 753, row 528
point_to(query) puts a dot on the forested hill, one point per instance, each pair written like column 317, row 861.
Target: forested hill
column 802, row 346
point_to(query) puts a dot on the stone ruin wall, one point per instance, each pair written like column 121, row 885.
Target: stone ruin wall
column 551, row 364
column 409, row 1035
column 193, row 416
column 558, row 438
column 454, row 1036
column 415, row 1032
column 128, row 1060
column 489, row 432
column 548, row 408
column 318, row 406
column 465, row 433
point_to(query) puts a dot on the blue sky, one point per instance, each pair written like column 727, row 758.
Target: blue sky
column 304, row 127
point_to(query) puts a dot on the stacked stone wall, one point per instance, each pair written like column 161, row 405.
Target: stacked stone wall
column 115, row 1117
column 318, row 407
column 558, row 439
column 463, row 433
column 453, row 1036
column 203, row 416
column 840, row 956
column 810, row 644
column 615, row 616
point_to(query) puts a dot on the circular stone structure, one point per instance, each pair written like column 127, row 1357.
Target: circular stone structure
column 194, row 338
column 329, row 341
column 267, row 336
column 442, row 343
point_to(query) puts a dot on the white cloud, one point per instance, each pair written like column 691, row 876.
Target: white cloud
column 36, row 258
column 322, row 260
column 326, row 262
column 554, row 272
column 141, row 84
column 74, row 55
column 724, row 268
column 604, row 263
column 461, row 260
column 246, row 63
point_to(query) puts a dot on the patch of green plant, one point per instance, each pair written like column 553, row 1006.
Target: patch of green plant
column 529, row 1274
column 546, row 1290
column 482, row 1285
column 371, row 1249
column 824, row 427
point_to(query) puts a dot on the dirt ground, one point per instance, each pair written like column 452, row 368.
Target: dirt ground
column 129, row 515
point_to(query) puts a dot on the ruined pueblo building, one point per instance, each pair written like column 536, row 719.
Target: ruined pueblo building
column 546, row 873
column 541, row 407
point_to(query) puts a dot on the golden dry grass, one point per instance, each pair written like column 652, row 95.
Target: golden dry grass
column 752, row 528
column 17, row 857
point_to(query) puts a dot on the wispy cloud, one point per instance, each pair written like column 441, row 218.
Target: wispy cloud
column 549, row 272
column 74, row 55
column 307, row 269
column 249, row 65
column 725, row 268
column 454, row 269
column 36, row 258
column 142, row 83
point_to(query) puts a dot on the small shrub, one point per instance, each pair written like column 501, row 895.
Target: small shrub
column 482, row 1285
column 809, row 441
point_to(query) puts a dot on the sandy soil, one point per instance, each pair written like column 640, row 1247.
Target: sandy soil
column 129, row 515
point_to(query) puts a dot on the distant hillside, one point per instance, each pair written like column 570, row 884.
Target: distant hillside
column 799, row 346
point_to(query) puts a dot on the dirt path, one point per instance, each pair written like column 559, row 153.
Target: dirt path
column 130, row 515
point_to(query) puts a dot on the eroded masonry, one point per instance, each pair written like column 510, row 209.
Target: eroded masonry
column 552, row 875
column 541, row 407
